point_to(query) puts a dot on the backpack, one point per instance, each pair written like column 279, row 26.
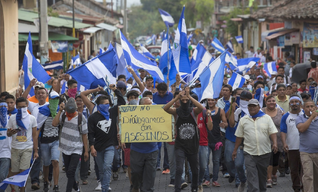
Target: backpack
column 79, row 122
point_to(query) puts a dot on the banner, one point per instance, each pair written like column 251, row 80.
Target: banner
column 145, row 123
column 310, row 35
column 59, row 46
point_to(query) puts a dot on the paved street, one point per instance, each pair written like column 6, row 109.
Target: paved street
column 161, row 183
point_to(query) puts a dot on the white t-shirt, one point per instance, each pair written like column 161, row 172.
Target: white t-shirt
column 34, row 109
column 22, row 139
column 5, row 144
column 288, row 126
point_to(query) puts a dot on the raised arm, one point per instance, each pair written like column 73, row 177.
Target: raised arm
column 302, row 127
column 231, row 114
column 120, row 98
column 90, row 106
column 27, row 90
column 199, row 108
column 141, row 85
column 167, row 107
column 56, row 119
column 209, row 122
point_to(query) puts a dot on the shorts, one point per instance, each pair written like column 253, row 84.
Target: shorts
column 127, row 156
column 20, row 159
column 50, row 152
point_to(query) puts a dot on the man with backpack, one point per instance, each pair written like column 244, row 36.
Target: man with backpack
column 72, row 138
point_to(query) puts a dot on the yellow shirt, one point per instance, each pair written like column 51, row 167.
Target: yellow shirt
column 256, row 134
column 283, row 104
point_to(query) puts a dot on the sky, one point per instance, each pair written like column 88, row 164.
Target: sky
column 129, row 2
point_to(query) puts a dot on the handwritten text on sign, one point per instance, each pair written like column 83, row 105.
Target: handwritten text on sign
column 144, row 123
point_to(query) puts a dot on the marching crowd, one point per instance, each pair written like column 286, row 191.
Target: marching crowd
column 253, row 135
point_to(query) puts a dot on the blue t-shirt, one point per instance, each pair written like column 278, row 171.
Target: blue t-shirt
column 308, row 139
column 144, row 147
column 162, row 100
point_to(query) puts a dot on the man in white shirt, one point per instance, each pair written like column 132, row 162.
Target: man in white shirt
column 22, row 129
column 250, row 52
column 290, row 138
column 5, row 142
column 258, row 53
column 256, row 129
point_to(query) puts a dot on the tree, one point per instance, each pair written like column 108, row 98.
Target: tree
column 231, row 26
column 149, row 5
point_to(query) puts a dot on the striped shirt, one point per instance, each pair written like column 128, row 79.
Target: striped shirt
column 71, row 138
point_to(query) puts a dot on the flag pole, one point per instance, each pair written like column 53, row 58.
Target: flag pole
column 168, row 65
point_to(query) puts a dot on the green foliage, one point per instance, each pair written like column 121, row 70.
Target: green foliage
column 198, row 10
column 51, row 12
column 148, row 5
column 232, row 27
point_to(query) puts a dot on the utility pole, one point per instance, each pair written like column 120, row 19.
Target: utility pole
column 44, row 32
column 125, row 18
column 73, row 25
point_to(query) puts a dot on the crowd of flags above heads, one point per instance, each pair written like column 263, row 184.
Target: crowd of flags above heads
column 109, row 64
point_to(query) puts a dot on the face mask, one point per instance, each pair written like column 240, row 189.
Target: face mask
column 133, row 102
column 72, row 92
column 3, row 114
column 238, row 98
column 243, row 104
column 104, row 110
column 53, row 105
column 70, row 115
column 22, row 118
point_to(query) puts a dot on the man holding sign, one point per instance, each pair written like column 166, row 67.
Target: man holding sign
column 143, row 161
column 187, row 140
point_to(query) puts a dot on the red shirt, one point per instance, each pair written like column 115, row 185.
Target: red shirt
column 204, row 141
column 302, row 91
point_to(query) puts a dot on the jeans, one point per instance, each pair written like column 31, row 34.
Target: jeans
column 4, row 169
column 50, row 152
column 207, row 172
column 104, row 161
column 84, row 166
column 203, row 160
column 165, row 157
column 236, row 167
column 256, row 169
column 71, row 163
column 193, row 160
column 116, row 161
column 96, row 169
column 37, row 167
column 143, row 170
column 216, row 156
column 172, row 162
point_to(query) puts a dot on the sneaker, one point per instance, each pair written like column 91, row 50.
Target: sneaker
column 231, row 179
column 99, row 186
column 46, row 187
column 35, row 186
column 216, row 184
column 274, row 179
column 167, row 171
column 282, row 174
column 63, row 168
column 200, row 188
column 89, row 172
column 115, row 176
column 226, row 175
column 158, row 169
column 56, row 188
column 84, row 182
column 206, row 183
column 171, row 184
column 241, row 187
column 109, row 189
column 269, row 183
column 184, row 185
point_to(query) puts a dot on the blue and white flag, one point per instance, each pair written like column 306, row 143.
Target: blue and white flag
column 259, row 95
column 244, row 65
column 138, row 61
column 213, row 78
column 57, row 65
column 75, row 62
column 229, row 46
column 189, row 38
column 270, row 68
column 121, row 66
column 154, row 39
column 166, row 17
column 97, row 68
column 101, row 51
column 164, row 52
column 19, row 180
column 236, row 81
column 202, row 61
column 110, row 46
column 217, row 45
column 32, row 68
column 239, row 39
column 181, row 53
column 147, row 54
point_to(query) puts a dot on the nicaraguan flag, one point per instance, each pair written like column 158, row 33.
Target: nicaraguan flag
column 212, row 78
column 181, row 53
column 147, row 54
column 166, row 17
column 18, row 180
column 189, row 38
column 97, row 68
column 239, row 39
column 154, row 39
column 121, row 66
column 101, row 51
column 165, row 47
column 203, row 59
column 110, row 46
column 236, row 81
column 148, row 41
column 259, row 95
column 57, row 65
column 138, row 61
column 229, row 45
column 244, row 65
column 270, row 68
column 217, row 45
column 75, row 62
column 32, row 68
